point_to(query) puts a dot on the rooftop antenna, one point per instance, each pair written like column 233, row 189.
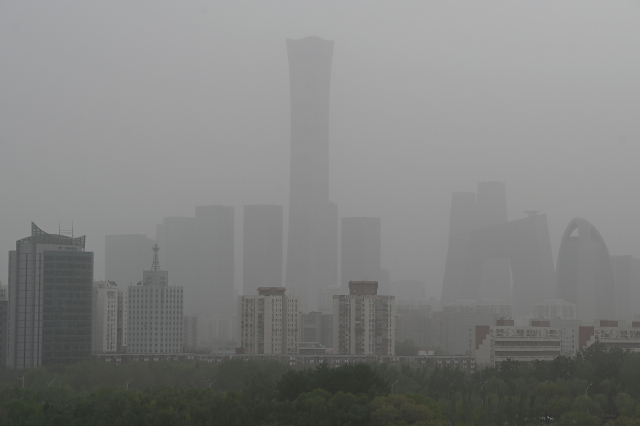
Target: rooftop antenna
column 156, row 263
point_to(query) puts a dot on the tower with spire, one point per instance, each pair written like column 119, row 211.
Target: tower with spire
column 155, row 313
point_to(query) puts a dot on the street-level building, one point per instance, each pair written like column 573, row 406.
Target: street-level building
column 495, row 344
column 155, row 313
column 268, row 322
column 363, row 321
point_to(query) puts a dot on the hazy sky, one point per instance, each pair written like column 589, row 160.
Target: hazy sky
column 115, row 114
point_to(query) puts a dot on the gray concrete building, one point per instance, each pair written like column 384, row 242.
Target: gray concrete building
column 50, row 287
column 262, row 247
column 584, row 272
column 491, row 258
column 312, row 237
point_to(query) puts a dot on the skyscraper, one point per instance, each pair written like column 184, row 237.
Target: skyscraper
column 585, row 276
column 311, row 245
column 215, row 264
column 262, row 247
column 125, row 257
column 360, row 250
column 50, row 287
column 490, row 258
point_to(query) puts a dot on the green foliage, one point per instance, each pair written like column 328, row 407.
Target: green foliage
column 598, row 386
column 351, row 378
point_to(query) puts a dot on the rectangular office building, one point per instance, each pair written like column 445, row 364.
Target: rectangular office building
column 50, row 286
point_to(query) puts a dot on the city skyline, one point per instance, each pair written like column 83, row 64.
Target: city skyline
column 417, row 112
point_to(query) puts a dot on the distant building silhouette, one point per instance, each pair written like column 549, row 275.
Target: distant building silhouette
column 491, row 258
column 360, row 250
column 200, row 250
column 626, row 275
column 584, row 272
column 50, row 283
column 215, row 261
column 312, row 237
column 125, row 257
column 262, row 247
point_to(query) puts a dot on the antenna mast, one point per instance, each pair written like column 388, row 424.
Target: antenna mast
column 156, row 263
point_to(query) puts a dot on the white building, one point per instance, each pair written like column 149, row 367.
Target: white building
column 555, row 309
column 268, row 322
column 155, row 313
column 109, row 318
column 363, row 322
column 497, row 343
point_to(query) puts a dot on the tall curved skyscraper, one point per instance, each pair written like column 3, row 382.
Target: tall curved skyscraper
column 584, row 272
column 311, row 255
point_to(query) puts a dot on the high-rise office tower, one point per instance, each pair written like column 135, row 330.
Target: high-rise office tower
column 262, row 247
column 176, row 236
column 360, row 250
column 215, row 264
column 155, row 313
column 125, row 256
column 490, row 258
column 626, row 273
column 311, row 244
column 584, row 272
column 50, row 286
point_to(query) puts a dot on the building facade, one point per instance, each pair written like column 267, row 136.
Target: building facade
column 312, row 249
column 50, row 288
column 495, row 344
column 268, row 322
column 190, row 333
column 109, row 318
column 412, row 323
column 363, row 321
column 262, row 247
column 584, row 272
column 360, row 239
column 491, row 258
column 155, row 313
column 4, row 310
column 317, row 327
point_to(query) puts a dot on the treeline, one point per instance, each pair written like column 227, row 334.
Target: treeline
column 597, row 387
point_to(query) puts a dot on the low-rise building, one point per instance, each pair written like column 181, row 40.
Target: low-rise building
column 497, row 343
column 609, row 334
